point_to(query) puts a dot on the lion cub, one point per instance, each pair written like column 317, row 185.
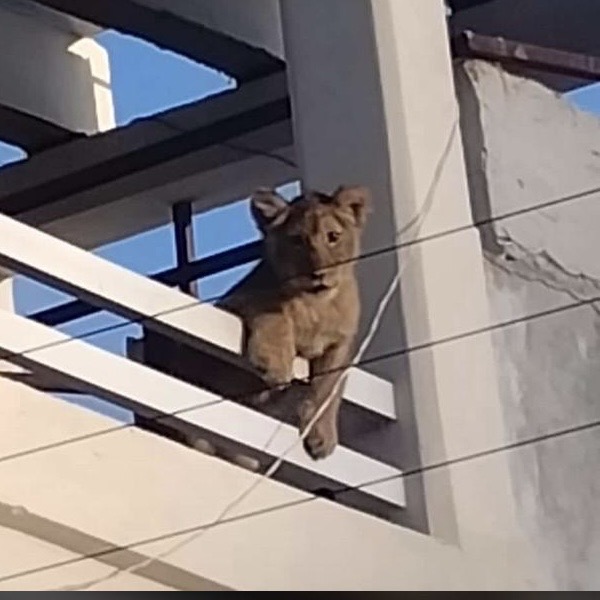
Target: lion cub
column 302, row 298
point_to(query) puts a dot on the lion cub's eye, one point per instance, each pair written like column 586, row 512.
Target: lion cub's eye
column 333, row 237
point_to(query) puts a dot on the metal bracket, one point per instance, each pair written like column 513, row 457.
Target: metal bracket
column 184, row 243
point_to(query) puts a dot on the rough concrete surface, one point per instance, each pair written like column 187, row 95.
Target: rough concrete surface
column 524, row 146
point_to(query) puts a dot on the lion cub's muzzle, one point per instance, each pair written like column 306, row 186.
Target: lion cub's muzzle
column 321, row 281
column 318, row 282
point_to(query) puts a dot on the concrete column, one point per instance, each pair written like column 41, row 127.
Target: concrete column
column 373, row 103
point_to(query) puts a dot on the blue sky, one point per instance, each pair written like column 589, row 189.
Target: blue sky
column 147, row 80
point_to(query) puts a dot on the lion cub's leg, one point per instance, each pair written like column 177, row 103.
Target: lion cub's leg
column 325, row 372
column 270, row 348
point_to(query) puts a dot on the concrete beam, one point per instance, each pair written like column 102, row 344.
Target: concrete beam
column 117, row 289
column 166, row 311
column 107, row 486
column 170, row 30
column 125, row 181
column 148, row 392
column 32, row 134
column 43, row 77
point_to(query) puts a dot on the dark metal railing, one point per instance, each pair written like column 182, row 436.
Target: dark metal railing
column 175, row 276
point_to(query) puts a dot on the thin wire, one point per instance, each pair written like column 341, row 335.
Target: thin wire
column 372, row 254
column 363, row 362
column 417, row 222
column 385, row 250
column 465, row 458
column 366, row 361
column 130, row 322
column 450, row 462
column 558, row 433
column 488, row 221
column 396, row 247
column 102, row 432
column 430, row 237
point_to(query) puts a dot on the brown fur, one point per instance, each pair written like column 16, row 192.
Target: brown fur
column 302, row 298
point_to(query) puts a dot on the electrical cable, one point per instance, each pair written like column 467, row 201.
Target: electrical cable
column 532, row 441
column 415, row 348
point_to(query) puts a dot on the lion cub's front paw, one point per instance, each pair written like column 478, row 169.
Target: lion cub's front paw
column 273, row 369
column 277, row 377
column 323, row 436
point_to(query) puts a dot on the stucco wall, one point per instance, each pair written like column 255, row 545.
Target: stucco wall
column 525, row 145
column 44, row 75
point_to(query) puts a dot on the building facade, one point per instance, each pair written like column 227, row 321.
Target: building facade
column 467, row 452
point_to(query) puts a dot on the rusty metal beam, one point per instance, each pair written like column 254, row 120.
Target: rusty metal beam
column 513, row 53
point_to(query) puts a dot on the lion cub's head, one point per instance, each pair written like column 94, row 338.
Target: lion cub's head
column 311, row 242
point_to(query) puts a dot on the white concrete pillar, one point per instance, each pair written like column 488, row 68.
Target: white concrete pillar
column 373, row 103
column 46, row 73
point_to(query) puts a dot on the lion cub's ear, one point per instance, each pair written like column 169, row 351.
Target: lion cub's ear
column 356, row 199
column 268, row 209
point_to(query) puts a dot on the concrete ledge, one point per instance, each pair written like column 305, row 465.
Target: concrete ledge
column 109, row 486
column 147, row 391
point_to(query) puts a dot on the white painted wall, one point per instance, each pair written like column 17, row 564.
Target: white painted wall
column 525, row 145
column 129, row 485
